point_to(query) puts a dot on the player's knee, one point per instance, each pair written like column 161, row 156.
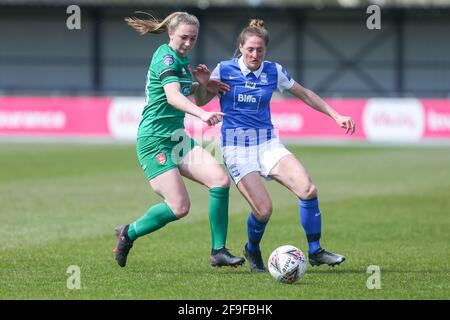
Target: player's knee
column 221, row 179
column 181, row 209
column 263, row 211
column 308, row 192
column 224, row 181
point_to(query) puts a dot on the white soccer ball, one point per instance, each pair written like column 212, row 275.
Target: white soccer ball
column 287, row 264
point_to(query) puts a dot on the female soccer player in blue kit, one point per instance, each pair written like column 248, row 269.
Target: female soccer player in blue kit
column 250, row 149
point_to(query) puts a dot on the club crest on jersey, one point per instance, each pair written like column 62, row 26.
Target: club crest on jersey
column 168, row 59
column 249, row 84
column 263, row 78
column 161, row 158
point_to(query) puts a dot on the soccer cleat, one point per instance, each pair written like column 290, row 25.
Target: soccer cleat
column 255, row 260
column 324, row 257
column 124, row 244
column 222, row 257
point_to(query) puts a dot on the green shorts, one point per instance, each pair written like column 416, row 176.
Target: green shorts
column 157, row 155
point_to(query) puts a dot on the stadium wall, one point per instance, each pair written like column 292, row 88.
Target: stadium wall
column 330, row 51
column 379, row 120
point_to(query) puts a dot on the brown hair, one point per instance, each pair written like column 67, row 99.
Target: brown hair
column 154, row 25
column 255, row 28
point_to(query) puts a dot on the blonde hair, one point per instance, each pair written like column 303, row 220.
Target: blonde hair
column 255, row 28
column 154, row 25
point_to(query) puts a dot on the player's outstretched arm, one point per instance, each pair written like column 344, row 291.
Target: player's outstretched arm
column 176, row 99
column 317, row 103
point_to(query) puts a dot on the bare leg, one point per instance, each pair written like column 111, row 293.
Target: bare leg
column 171, row 188
column 291, row 173
column 256, row 195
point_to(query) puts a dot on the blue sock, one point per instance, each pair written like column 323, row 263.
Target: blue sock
column 311, row 220
column 255, row 231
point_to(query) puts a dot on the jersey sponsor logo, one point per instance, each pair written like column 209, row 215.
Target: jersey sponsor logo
column 246, row 98
column 161, row 158
column 168, row 59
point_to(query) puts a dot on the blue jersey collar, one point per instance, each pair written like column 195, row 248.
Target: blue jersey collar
column 246, row 71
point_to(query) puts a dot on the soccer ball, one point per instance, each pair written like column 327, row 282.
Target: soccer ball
column 287, row 264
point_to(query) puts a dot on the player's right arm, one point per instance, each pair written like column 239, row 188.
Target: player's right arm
column 176, row 99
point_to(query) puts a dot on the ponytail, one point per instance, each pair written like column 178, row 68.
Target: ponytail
column 155, row 26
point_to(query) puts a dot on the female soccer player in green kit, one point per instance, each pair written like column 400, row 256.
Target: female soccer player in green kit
column 165, row 151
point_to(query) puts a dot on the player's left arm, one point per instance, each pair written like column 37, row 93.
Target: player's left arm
column 317, row 103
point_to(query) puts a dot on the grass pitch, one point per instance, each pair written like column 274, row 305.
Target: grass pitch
column 388, row 207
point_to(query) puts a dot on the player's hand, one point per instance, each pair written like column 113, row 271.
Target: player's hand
column 217, row 87
column 211, row 118
column 347, row 123
column 202, row 74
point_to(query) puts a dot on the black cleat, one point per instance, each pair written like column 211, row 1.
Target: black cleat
column 124, row 244
column 255, row 260
column 222, row 257
column 324, row 257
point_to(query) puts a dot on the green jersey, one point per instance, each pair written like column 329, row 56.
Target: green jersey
column 159, row 118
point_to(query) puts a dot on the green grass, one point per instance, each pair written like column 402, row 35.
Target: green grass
column 381, row 206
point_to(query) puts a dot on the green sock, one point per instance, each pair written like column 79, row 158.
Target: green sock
column 218, row 216
column 155, row 218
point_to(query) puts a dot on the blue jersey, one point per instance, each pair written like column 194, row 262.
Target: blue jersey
column 247, row 104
